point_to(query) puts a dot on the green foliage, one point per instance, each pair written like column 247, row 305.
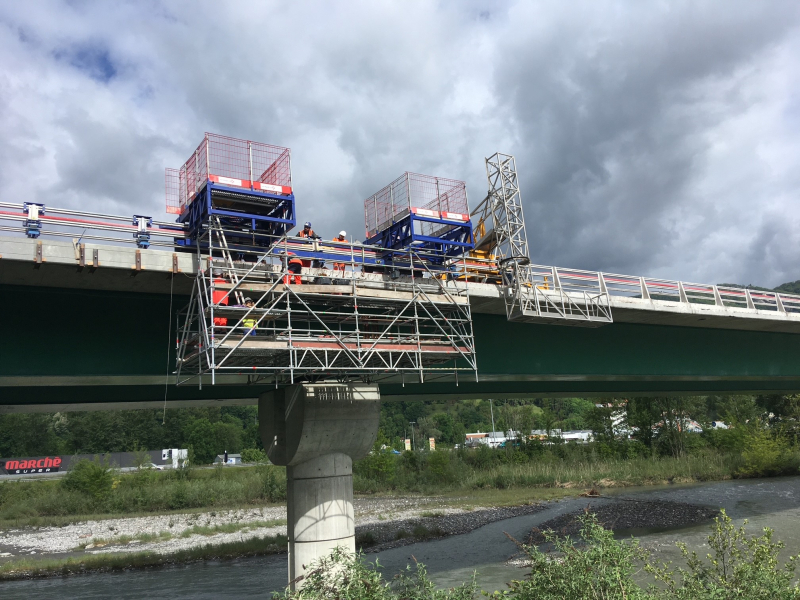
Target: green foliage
column 767, row 453
column 93, row 478
column 598, row 568
column 200, row 437
column 342, row 576
column 254, row 455
column 738, row 567
column 274, row 489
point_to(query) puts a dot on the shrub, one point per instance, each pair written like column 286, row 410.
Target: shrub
column 740, row 567
column 439, row 467
column 767, row 454
column 274, row 489
column 601, row 567
column 254, row 455
column 91, row 477
column 346, row 577
column 378, row 465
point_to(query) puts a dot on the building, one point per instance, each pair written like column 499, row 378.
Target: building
column 228, row 459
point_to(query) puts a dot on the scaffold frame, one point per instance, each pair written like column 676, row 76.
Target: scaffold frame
column 530, row 293
column 310, row 323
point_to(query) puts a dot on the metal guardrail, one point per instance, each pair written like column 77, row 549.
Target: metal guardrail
column 34, row 220
column 121, row 229
column 594, row 283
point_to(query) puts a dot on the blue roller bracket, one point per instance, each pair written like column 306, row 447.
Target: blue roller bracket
column 142, row 235
column 33, row 226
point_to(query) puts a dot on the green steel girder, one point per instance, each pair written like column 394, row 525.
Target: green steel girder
column 69, row 333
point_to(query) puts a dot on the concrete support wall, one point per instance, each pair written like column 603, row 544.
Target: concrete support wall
column 316, row 431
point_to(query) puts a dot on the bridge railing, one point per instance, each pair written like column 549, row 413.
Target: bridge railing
column 593, row 283
column 35, row 220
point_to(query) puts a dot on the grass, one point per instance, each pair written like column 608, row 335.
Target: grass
column 143, row 493
column 163, row 536
column 24, row 568
column 229, row 527
column 462, row 477
column 581, row 470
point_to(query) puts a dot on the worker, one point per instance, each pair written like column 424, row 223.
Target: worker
column 295, row 267
column 250, row 321
column 342, row 237
column 307, row 232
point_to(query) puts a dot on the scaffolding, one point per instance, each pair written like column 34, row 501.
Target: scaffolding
column 305, row 322
column 532, row 293
column 420, row 211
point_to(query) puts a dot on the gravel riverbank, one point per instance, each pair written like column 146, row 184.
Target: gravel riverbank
column 381, row 524
column 627, row 514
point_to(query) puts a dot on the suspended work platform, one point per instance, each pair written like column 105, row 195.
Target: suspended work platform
column 421, row 212
column 245, row 185
column 279, row 319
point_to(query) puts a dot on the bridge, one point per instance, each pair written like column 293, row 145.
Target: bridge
column 427, row 308
column 96, row 338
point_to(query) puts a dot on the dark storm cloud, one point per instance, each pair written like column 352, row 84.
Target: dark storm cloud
column 651, row 138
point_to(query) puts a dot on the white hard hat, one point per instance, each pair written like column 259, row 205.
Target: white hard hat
column 343, row 234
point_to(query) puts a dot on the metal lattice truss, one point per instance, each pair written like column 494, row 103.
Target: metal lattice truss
column 322, row 324
column 529, row 295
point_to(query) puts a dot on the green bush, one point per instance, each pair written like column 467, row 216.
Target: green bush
column 767, row 453
column 378, row 466
column 599, row 568
column 91, row 477
column 254, row 455
column 342, row 576
column 439, row 467
column 739, row 567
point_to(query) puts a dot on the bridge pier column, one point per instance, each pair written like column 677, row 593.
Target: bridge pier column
column 316, row 431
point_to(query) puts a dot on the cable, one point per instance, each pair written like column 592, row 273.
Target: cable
column 169, row 341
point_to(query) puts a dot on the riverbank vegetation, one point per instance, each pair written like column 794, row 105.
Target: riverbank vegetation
column 636, row 441
column 594, row 567
column 29, row 567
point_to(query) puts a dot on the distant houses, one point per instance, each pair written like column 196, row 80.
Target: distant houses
column 499, row 439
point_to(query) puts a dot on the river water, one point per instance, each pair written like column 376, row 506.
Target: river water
column 450, row 561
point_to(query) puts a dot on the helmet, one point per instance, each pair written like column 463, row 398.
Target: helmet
column 248, row 299
column 342, row 233
column 307, row 225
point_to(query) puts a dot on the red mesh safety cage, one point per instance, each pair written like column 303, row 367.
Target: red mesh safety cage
column 171, row 184
column 222, row 156
column 412, row 190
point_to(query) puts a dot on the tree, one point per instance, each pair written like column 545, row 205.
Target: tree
column 676, row 412
column 202, row 438
column 642, row 416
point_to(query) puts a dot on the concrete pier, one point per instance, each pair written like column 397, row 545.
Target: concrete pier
column 316, row 431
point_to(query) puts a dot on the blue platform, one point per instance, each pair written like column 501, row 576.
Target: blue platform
column 453, row 238
column 261, row 217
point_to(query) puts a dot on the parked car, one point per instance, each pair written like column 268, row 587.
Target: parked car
column 152, row 466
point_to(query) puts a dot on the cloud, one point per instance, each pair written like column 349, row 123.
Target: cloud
column 656, row 139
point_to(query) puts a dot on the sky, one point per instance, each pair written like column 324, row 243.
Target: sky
column 651, row 138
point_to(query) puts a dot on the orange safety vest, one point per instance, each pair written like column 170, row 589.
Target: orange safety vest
column 337, row 266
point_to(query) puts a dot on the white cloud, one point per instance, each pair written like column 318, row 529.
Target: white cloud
column 656, row 139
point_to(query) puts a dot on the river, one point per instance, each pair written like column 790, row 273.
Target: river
column 450, row 561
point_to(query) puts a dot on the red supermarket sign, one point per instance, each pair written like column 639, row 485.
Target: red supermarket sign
column 15, row 466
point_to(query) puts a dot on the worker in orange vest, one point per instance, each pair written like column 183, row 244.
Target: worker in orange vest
column 340, row 238
column 295, row 267
column 307, row 232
